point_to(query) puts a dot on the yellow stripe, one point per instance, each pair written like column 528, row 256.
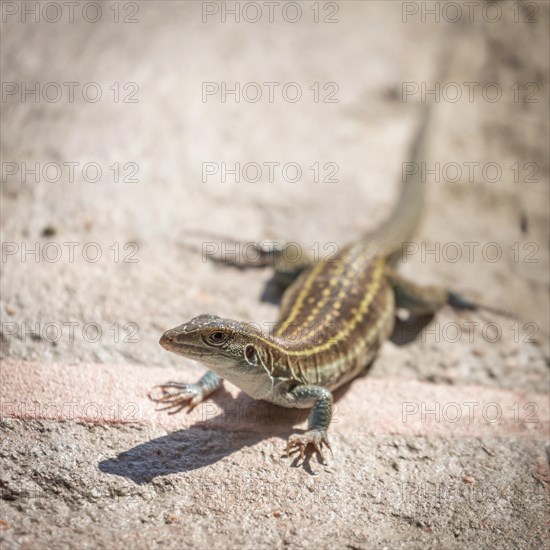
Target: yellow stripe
column 326, row 296
column 300, row 298
column 372, row 289
column 362, row 343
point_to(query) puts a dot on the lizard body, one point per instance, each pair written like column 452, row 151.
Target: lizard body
column 335, row 315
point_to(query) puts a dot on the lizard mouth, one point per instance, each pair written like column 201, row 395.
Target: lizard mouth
column 169, row 343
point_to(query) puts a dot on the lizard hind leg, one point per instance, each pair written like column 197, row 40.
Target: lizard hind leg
column 288, row 260
column 422, row 300
column 416, row 299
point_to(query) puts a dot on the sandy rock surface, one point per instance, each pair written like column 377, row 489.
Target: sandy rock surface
column 94, row 271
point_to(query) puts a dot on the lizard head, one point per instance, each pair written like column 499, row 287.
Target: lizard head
column 231, row 349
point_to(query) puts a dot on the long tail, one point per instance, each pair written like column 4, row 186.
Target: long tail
column 406, row 213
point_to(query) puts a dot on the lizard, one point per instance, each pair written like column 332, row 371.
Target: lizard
column 334, row 316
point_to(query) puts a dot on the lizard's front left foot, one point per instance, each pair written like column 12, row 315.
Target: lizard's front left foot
column 176, row 395
column 311, row 437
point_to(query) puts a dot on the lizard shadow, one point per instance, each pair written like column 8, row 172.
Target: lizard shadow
column 227, row 425
column 407, row 331
column 230, row 424
column 273, row 291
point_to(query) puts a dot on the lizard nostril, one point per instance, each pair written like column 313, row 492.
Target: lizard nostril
column 166, row 339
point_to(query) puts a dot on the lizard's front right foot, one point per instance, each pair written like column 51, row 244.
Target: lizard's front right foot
column 176, row 395
column 316, row 437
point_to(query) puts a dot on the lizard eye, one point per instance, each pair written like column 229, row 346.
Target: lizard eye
column 250, row 355
column 216, row 338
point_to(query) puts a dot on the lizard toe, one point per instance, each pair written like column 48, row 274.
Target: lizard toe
column 316, row 438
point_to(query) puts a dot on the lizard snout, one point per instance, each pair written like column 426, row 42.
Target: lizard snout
column 166, row 339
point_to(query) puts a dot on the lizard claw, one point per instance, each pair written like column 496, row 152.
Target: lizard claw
column 312, row 437
column 176, row 395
